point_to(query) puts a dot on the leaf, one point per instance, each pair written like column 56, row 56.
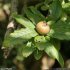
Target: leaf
column 27, row 51
column 66, row 7
column 40, row 39
column 30, row 15
column 53, row 52
column 56, row 44
column 29, row 44
column 19, row 57
column 38, row 5
column 48, row 1
column 45, row 7
column 25, row 22
column 41, row 46
column 36, row 12
column 47, row 38
column 24, row 33
column 19, row 52
column 35, row 18
column 60, row 30
column 19, row 36
column 55, row 9
column 37, row 54
column 40, row 42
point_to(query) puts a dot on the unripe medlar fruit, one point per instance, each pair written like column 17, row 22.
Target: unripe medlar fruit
column 2, row 15
column 42, row 28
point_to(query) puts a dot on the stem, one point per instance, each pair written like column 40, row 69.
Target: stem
column 10, row 28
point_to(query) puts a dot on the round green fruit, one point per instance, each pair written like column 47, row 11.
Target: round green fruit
column 42, row 28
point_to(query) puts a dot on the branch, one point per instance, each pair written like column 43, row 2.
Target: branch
column 10, row 27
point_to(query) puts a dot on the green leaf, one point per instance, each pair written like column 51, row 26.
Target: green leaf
column 36, row 12
column 45, row 7
column 37, row 54
column 47, row 38
column 66, row 7
column 40, row 39
column 34, row 17
column 25, row 34
column 41, row 46
column 29, row 44
column 30, row 15
column 40, row 42
column 48, row 1
column 20, row 57
column 61, row 1
column 60, row 30
column 19, row 37
column 38, row 5
column 25, row 22
column 53, row 52
column 27, row 51
column 55, row 9
column 56, row 44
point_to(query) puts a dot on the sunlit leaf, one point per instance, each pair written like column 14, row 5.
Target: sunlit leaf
column 40, row 42
column 66, row 7
column 19, row 36
column 20, row 57
column 25, row 22
column 27, row 51
column 53, row 52
column 61, row 30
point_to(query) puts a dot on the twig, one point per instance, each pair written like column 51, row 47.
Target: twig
column 10, row 27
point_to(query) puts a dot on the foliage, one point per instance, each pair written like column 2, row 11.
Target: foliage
column 28, row 41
